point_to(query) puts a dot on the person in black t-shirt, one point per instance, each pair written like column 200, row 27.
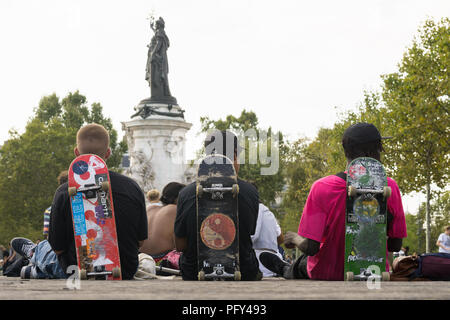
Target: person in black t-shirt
column 129, row 209
column 186, row 220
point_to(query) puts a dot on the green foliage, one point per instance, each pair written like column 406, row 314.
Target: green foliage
column 416, row 239
column 30, row 162
column 416, row 111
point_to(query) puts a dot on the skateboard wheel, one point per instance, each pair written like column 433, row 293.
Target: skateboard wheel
column 235, row 190
column 83, row 274
column 237, row 275
column 385, row 276
column 349, row 276
column 199, row 190
column 201, row 275
column 351, row 191
column 116, row 273
column 72, row 191
column 387, row 191
column 105, row 186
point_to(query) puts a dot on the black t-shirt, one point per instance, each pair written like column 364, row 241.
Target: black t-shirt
column 131, row 223
column 186, row 227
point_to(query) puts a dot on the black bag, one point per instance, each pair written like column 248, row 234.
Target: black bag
column 12, row 268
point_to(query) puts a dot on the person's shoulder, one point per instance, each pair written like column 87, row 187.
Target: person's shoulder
column 62, row 190
column 187, row 192
column 246, row 186
column 330, row 181
column 118, row 178
column 392, row 182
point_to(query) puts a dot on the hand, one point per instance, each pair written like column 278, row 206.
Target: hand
column 292, row 240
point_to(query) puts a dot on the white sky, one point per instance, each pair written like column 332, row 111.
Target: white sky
column 290, row 61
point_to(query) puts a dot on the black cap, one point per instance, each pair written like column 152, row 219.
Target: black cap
column 361, row 133
column 228, row 139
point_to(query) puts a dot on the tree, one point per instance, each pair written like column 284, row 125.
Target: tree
column 30, row 162
column 417, row 111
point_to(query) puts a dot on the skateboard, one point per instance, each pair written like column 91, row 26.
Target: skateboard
column 365, row 220
column 217, row 219
column 93, row 219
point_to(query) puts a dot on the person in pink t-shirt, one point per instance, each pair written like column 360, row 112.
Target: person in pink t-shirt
column 321, row 233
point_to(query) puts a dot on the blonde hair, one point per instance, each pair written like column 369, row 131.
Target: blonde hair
column 153, row 195
column 93, row 138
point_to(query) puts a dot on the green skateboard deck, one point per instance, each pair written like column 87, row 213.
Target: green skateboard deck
column 365, row 220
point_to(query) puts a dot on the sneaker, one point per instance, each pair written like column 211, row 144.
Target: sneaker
column 23, row 246
column 274, row 263
column 28, row 272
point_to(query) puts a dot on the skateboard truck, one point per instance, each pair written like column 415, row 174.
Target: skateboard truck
column 90, row 190
column 84, row 274
column 386, row 191
column 217, row 191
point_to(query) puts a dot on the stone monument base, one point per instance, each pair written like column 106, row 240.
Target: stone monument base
column 156, row 145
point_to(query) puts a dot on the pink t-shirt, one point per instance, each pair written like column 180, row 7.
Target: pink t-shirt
column 323, row 220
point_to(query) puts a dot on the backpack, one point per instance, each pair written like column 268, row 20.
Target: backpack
column 403, row 267
column 433, row 266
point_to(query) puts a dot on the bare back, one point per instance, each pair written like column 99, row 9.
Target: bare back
column 161, row 222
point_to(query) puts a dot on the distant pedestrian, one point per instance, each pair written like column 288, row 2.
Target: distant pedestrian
column 443, row 241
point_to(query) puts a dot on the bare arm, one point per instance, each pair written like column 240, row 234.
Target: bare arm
column 180, row 244
column 307, row 246
column 280, row 239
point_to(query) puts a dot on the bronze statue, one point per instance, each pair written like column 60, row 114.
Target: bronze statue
column 157, row 64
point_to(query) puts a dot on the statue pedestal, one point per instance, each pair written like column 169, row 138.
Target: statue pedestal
column 156, row 147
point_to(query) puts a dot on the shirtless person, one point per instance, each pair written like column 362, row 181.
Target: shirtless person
column 161, row 221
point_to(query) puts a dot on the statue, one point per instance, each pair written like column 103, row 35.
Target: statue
column 157, row 64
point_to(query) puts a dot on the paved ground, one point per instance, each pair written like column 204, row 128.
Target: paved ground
column 176, row 289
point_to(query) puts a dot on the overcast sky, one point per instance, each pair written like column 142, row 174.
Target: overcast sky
column 295, row 63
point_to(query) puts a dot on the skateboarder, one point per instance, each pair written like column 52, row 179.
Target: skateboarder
column 129, row 206
column 186, row 219
column 161, row 219
column 321, row 233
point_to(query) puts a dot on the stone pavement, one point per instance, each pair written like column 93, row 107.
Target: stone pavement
column 176, row 289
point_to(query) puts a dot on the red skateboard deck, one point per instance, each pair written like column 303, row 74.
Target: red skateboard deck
column 93, row 219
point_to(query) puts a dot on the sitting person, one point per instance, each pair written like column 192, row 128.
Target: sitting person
column 321, row 233
column 186, row 219
column 53, row 257
column 267, row 236
column 161, row 239
column 153, row 198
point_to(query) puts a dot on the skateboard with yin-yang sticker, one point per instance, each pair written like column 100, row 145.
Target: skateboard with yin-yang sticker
column 217, row 219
